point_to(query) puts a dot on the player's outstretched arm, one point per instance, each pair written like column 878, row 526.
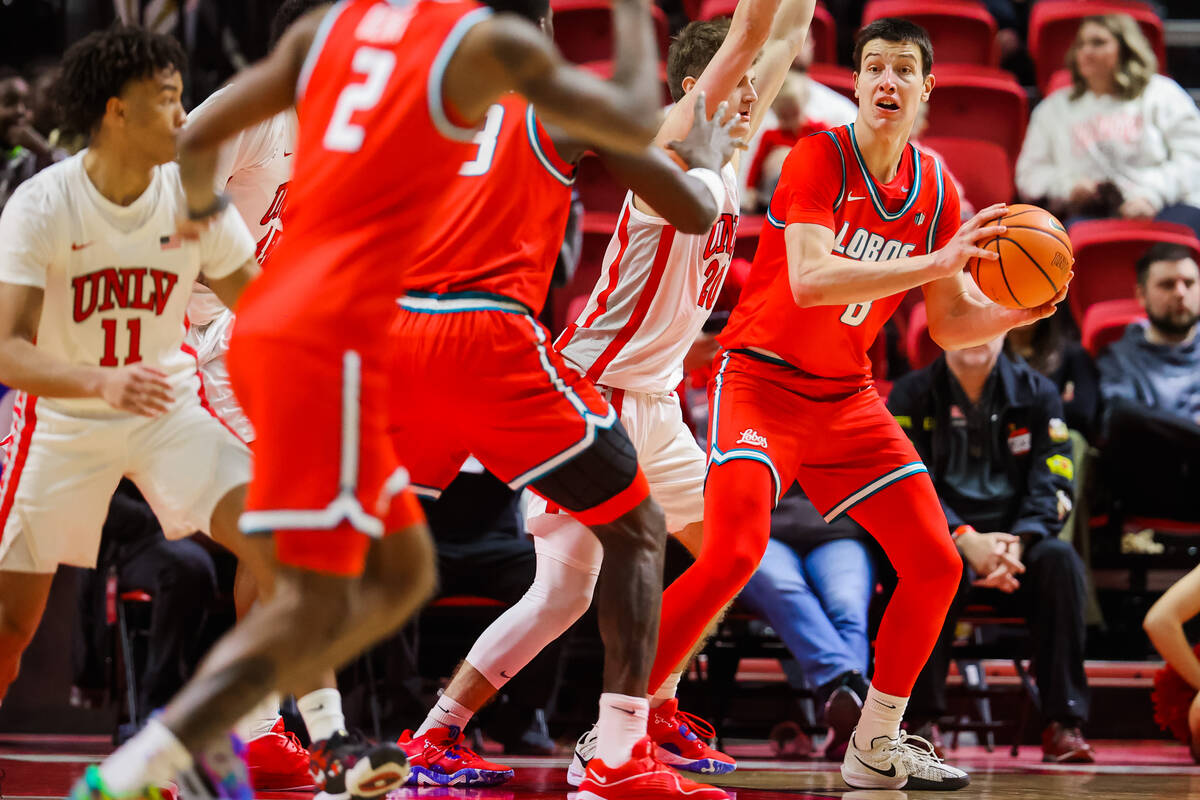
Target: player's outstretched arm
column 229, row 288
column 789, row 29
column 137, row 388
column 961, row 316
column 691, row 200
column 261, row 92
column 1164, row 625
column 506, row 53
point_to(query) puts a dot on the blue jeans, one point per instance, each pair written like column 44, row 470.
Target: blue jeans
column 817, row 603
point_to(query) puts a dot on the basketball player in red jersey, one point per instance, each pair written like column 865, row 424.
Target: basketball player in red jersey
column 859, row 218
column 498, row 391
column 383, row 90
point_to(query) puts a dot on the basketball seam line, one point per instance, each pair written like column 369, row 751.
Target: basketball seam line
column 1050, row 281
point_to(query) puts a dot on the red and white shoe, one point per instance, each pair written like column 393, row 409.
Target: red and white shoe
column 278, row 762
column 642, row 777
column 681, row 741
column 439, row 758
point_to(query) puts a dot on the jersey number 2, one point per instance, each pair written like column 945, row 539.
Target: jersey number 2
column 855, row 313
column 343, row 135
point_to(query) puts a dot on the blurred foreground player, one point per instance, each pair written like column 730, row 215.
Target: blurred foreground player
column 376, row 84
column 859, row 217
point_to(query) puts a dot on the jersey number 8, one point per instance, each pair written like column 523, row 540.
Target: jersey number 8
column 855, row 313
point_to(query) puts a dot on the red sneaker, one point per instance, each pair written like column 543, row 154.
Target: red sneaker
column 642, row 777
column 438, row 758
column 278, row 762
column 681, row 741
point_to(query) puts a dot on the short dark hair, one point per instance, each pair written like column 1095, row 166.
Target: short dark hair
column 895, row 29
column 288, row 13
column 99, row 66
column 1160, row 251
column 532, row 10
column 692, row 49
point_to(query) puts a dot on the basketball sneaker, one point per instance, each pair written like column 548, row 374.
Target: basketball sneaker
column 439, row 758
column 347, row 765
column 278, row 762
column 219, row 773
column 585, row 751
column 642, row 777
column 91, row 787
column 907, row 762
column 681, row 741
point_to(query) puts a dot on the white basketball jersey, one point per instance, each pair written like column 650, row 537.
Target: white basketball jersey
column 656, row 289
column 254, row 168
column 116, row 278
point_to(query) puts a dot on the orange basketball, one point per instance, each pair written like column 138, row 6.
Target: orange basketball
column 1035, row 258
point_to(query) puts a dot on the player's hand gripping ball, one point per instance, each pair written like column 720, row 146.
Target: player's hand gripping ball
column 1035, row 258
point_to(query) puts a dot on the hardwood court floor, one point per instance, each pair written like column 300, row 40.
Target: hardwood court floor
column 39, row 768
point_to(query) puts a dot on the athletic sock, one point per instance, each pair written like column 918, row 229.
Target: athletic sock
column 322, row 713
column 446, row 713
column 667, row 690
column 881, row 715
column 151, row 758
column 260, row 720
column 622, row 725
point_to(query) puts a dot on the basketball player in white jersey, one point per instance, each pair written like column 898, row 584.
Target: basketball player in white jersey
column 93, row 286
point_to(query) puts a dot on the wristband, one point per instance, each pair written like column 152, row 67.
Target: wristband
column 959, row 531
column 219, row 204
column 712, row 181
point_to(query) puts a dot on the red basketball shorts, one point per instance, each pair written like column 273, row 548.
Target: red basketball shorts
column 474, row 374
column 326, row 481
column 840, row 444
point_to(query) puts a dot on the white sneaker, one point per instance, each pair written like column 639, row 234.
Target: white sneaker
column 904, row 763
column 585, row 751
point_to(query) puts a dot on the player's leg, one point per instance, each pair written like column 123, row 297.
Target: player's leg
column 22, row 601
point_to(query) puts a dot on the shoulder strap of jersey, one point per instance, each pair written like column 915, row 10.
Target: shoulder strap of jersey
column 318, row 44
column 931, row 235
column 540, row 149
column 837, row 145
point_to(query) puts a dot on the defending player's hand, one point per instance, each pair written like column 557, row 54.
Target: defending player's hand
column 138, row 389
column 710, row 142
column 952, row 258
column 1028, row 316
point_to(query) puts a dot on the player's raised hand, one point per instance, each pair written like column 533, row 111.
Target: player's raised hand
column 1028, row 316
column 710, row 142
column 951, row 259
column 138, row 389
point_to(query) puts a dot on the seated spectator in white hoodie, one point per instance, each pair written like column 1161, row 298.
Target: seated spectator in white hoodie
column 1121, row 141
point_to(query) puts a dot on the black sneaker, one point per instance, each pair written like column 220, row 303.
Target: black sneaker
column 842, row 711
column 348, row 765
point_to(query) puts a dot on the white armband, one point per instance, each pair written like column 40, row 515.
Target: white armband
column 712, row 181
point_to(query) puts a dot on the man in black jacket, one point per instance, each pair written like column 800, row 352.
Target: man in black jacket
column 990, row 430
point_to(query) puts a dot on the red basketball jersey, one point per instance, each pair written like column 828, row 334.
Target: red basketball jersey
column 377, row 148
column 825, row 181
column 505, row 214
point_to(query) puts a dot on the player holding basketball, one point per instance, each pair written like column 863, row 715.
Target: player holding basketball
column 378, row 87
column 528, row 166
column 859, row 217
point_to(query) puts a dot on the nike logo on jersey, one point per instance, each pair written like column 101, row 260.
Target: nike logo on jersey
column 890, row 772
column 751, row 436
column 863, row 245
column 852, row 196
column 81, row 246
column 286, row 154
column 504, row 674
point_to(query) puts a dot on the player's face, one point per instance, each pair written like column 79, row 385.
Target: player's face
column 890, row 84
column 14, row 94
column 1171, row 295
column 1097, row 53
column 741, row 102
column 153, row 114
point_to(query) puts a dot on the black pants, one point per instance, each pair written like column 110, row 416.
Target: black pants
column 1151, row 462
column 1053, row 598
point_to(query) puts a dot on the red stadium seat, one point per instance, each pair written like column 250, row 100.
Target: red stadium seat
column 583, row 29
column 962, row 31
column 921, row 348
column 983, row 168
column 1105, row 254
column 976, row 102
column 1061, row 79
column 822, row 32
column 748, row 230
column 836, row 77
column 1054, row 23
column 1105, row 322
column 597, row 189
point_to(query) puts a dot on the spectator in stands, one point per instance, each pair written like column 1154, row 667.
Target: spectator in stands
column 1121, row 141
column 23, row 151
column 990, row 430
column 1150, row 383
column 1052, row 348
column 814, row 587
column 1177, row 686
